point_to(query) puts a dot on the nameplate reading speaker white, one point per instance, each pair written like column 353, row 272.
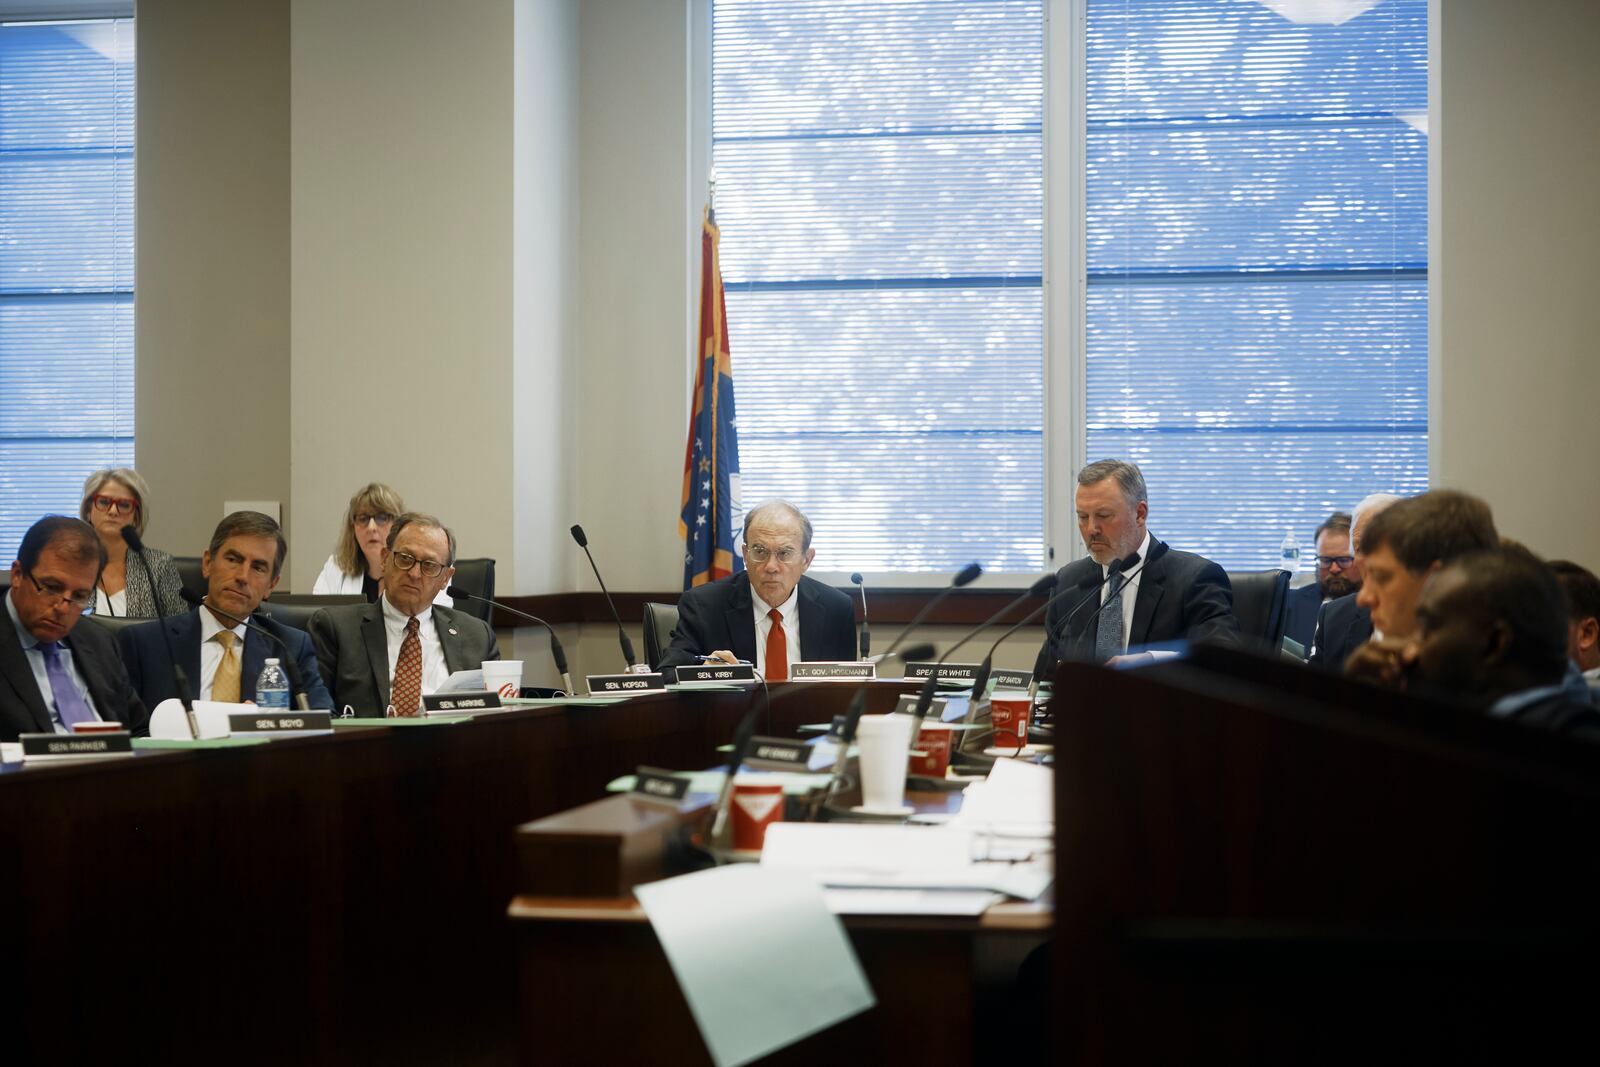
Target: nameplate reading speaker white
column 652, row 783
column 1011, row 679
column 460, row 703
column 778, row 754
column 832, row 672
column 907, row 705
column 281, row 723
column 961, row 673
column 46, row 747
column 716, row 672
column 617, row 684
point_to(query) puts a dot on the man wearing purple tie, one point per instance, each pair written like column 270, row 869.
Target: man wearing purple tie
column 56, row 667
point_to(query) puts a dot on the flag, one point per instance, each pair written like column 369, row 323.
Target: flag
column 711, row 519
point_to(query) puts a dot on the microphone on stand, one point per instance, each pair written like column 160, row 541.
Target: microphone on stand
column 622, row 635
column 557, row 653
column 866, row 634
column 965, row 576
column 179, row 676
column 296, row 681
column 1046, row 659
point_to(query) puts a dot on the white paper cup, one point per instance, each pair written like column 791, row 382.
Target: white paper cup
column 885, row 743
column 503, row 676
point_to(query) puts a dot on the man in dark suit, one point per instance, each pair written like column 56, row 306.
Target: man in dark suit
column 1164, row 596
column 1338, row 574
column 56, row 667
column 1343, row 625
column 220, row 655
column 390, row 653
column 771, row 615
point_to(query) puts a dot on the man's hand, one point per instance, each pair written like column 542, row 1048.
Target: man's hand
column 722, row 655
column 1386, row 662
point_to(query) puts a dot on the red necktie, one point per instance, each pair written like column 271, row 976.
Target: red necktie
column 406, row 692
column 777, row 649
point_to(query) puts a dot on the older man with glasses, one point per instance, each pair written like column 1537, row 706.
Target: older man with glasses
column 56, row 668
column 382, row 658
column 771, row 614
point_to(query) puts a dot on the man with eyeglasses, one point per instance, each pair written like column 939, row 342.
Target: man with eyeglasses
column 222, row 657
column 56, row 667
column 1343, row 625
column 771, row 614
column 1338, row 574
column 392, row 653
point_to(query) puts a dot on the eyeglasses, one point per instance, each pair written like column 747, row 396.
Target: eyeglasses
column 1343, row 561
column 431, row 568
column 115, row 505
column 382, row 518
column 55, row 591
column 761, row 553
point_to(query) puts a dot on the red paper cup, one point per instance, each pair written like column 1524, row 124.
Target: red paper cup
column 934, row 744
column 757, row 804
column 1010, row 718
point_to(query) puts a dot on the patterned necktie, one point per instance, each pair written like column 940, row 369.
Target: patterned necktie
column 777, row 648
column 406, row 693
column 1108, row 638
column 70, row 705
column 225, row 686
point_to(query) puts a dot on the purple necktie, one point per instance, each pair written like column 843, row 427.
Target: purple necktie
column 70, row 705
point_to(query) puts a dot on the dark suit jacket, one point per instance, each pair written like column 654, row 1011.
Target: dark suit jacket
column 145, row 654
column 353, row 649
column 1181, row 596
column 94, row 650
column 1342, row 627
column 1302, row 608
column 1562, row 713
column 719, row 615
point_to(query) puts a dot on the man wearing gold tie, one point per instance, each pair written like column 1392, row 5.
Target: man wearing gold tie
column 221, row 656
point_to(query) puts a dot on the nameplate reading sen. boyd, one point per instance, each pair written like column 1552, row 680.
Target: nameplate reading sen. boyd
column 622, row 684
column 653, row 783
column 700, row 673
column 832, row 672
column 47, row 747
column 949, row 673
column 280, row 723
column 460, row 702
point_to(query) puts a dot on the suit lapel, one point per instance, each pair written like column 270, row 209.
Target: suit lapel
column 741, row 622
column 810, row 620
column 185, row 633
column 1152, row 583
column 19, row 673
column 377, row 642
column 253, row 660
column 89, row 668
column 450, row 640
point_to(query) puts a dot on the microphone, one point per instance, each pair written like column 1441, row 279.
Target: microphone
column 1042, row 587
column 622, row 635
column 1045, row 659
column 179, row 677
column 965, row 576
column 866, row 634
column 557, row 653
column 296, row 682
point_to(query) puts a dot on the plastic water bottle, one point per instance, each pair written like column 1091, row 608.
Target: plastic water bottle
column 272, row 687
column 1289, row 553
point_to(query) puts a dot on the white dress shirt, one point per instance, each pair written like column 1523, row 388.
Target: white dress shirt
column 115, row 604
column 41, row 676
column 789, row 610
column 211, row 653
column 434, row 671
column 1130, row 588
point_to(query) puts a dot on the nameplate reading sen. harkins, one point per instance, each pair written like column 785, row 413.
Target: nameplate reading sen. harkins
column 459, row 702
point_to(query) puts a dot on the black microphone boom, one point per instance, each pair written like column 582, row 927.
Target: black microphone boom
column 622, row 635
column 557, row 653
column 965, row 576
column 1042, row 587
column 866, row 634
column 296, row 680
column 179, row 676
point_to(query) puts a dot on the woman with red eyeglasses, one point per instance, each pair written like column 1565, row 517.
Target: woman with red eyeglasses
column 112, row 499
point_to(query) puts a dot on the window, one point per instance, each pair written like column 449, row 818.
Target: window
column 880, row 194
column 1257, row 261
column 66, row 263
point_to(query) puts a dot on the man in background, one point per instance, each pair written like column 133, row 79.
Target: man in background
column 1338, row 574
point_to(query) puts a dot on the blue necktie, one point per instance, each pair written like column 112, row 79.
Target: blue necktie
column 1108, row 638
column 70, row 705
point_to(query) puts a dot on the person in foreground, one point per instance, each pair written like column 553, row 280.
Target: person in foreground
column 770, row 615
column 1490, row 632
column 1166, row 595
column 356, row 565
column 56, row 667
column 393, row 652
column 221, row 656
column 1342, row 623
column 1338, row 574
column 112, row 499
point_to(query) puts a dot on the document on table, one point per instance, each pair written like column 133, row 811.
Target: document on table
column 759, row 957
column 864, row 856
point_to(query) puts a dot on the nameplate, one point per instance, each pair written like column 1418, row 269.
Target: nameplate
column 907, row 705
column 48, row 747
column 716, row 672
column 957, row 673
column 460, row 703
column 1009, row 679
column 281, row 722
column 778, row 754
column 664, row 787
column 626, row 683
column 841, row 672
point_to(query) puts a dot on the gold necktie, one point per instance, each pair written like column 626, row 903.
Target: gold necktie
column 225, row 686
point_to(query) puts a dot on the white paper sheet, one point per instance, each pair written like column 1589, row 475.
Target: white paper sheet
column 759, row 957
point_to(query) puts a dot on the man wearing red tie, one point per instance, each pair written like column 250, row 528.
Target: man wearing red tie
column 770, row 615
